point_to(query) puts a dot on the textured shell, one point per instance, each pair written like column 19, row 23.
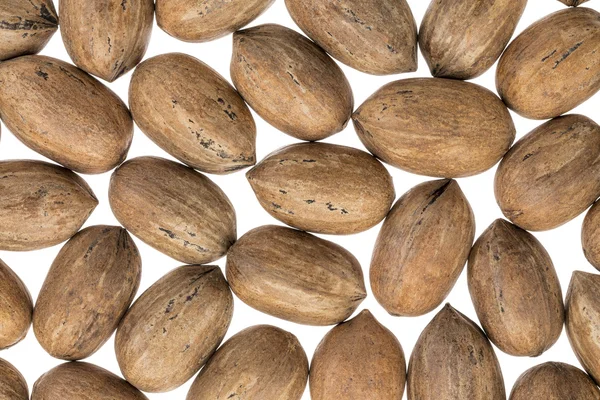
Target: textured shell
column 174, row 327
column 193, row 113
column 295, row 276
column 106, row 38
column 64, row 114
column 291, row 82
column 515, row 290
column 12, row 384
column 462, row 39
column 374, row 36
column 553, row 66
column 26, row 26
column 590, row 236
column 573, row 3
column 260, row 362
column 583, row 317
column 54, row 201
column 554, row 381
column 83, row 381
column 551, row 175
column 435, row 127
column 16, row 309
column 201, row 21
column 88, row 289
column 172, row 208
column 323, row 188
column 454, row 360
column 422, row 248
column 358, row 359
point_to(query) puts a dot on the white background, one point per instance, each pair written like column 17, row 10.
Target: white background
column 563, row 243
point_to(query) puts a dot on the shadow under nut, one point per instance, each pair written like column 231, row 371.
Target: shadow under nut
column 16, row 309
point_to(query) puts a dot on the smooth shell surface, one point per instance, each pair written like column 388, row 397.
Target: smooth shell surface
column 12, row 384
column 172, row 208
column 174, row 327
column 193, row 113
column 436, row 127
column 291, row 82
column 201, row 21
column 64, row 114
column 374, row 36
column 358, row 359
column 83, row 381
column 515, row 290
column 54, row 201
column 422, row 248
column 26, row 26
column 261, row 362
column 461, row 39
column 553, row 66
column 554, row 381
column 16, row 309
column 106, row 38
column 323, row 188
column 88, row 289
column 295, row 276
column 590, row 236
column 551, row 175
column 453, row 360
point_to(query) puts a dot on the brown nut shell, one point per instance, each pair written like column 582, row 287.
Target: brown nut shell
column 551, row 175
column 590, row 235
column 193, row 113
column 573, row 3
column 26, row 26
column 554, row 381
column 515, row 290
column 258, row 363
column 436, row 127
column 54, row 201
column 374, row 36
column 83, row 381
column 291, row 82
column 16, row 309
column 12, row 384
column 173, row 208
column 106, row 38
column 88, row 289
column 174, row 327
column 454, row 360
column 422, row 248
column 553, row 66
column 64, row 114
column 295, row 276
column 358, row 359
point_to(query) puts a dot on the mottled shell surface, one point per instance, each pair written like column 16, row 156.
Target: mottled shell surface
column 291, row 82
column 12, row 384
column 553, row 66
column 83, row 381
column 573, row 3
column 202, row 21
column 106, row 38
column 88, row 289
column 64, row 114
column 295, row 276
column 16, row 309
column 515, row 290
column 374, row 36
column 358, row 359
column 193, row 113
column 437, row 127
column 26, row 26
column 590, row 236
column 323, row 188
column 174, row 327
column 551, row 175
column 54, row 201
column 173, row 208
column 261, row 362
column 461, row 39
column 452, row 360
column 422, row 248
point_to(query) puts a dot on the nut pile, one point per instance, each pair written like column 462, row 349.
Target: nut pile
column 441, row 127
